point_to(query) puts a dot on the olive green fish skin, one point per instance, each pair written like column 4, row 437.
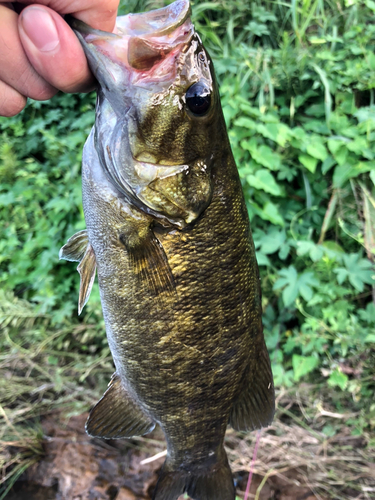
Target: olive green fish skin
column 177, row 271
column 184, row 355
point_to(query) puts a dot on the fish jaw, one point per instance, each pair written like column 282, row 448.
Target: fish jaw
column 161, row 21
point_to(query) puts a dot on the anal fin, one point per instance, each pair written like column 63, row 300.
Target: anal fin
column 116, row 415
column 255, row 406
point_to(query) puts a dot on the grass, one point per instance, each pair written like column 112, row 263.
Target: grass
column 38, row 377
column 310, row 443
column 318, row 440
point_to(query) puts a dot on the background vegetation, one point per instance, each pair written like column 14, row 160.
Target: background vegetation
column 297, row 83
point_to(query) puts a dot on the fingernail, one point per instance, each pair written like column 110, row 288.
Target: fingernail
column 40, row 28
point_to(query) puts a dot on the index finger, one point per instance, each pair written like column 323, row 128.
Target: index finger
column 99, row 14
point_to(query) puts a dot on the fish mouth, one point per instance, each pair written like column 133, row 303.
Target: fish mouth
column 145, row 50
column 142, row 48
column 156, row 22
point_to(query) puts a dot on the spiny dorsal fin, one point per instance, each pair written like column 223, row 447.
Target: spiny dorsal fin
column 150, row 264
column 255, row 406
column 75, row 248
column 116, row 415
column 86, row 269
column 78, row 249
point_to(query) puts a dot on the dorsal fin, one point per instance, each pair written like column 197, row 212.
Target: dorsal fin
column 78, row 249
column 255, row 405
column 116, row 415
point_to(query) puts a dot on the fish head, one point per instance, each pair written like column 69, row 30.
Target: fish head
column 159, row 123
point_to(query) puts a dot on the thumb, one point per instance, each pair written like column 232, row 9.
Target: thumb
column 54, row 50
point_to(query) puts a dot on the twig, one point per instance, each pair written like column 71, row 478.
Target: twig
column 153, row 458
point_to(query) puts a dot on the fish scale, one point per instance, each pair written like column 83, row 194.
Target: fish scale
column 175, row 260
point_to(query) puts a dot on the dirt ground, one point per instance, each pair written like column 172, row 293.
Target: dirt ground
column 76, row 467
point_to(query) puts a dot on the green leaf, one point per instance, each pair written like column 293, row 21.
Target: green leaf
column 243, row 121
column 338, row 149
column 7, row 199
column 263, row 179
column 289, row 280
column 341, row 175
column 304, row 284
column 332, row 246
column 342, row 274
column 290, row 293
column 370, row 338
column 262, row 259
column 295, row 284
column 271, row 212
column 358, row 271
column 309, row 162
column 284, row 251
column 317, row 150
column 358, row 145
column 278, row 132
column 328, row 163
column 337, row 378
column 289, row 275
column 272, row 241
column 262, row 154
column 302, row 365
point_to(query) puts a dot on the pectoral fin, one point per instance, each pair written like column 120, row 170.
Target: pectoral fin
column 75, row 248
column 116, row 415
column 255, row 405
column 150, row 263
column 86, row 269
column 78, row 249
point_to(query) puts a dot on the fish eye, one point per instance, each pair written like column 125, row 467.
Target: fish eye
column 198, row 98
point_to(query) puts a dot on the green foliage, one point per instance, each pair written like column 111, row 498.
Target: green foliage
column 304, row 147
column 297, row 84
column 40, row 198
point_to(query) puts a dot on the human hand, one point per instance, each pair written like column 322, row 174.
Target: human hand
column 40, row 54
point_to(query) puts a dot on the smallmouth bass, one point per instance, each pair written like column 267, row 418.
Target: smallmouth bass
column 169, row 236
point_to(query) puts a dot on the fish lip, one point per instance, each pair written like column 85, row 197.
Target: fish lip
column 157, row 22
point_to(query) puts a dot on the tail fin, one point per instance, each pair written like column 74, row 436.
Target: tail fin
column 200, row 483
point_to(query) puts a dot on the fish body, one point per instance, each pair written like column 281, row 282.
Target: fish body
column 169, row 235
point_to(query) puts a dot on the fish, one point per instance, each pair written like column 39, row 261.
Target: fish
column 168, row 235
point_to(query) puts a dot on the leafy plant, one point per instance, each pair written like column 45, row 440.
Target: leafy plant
column 296, row 81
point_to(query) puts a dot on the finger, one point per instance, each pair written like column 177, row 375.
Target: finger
column 11, row 101
column 98, row 14
column 54, row 50
column 15, row 68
